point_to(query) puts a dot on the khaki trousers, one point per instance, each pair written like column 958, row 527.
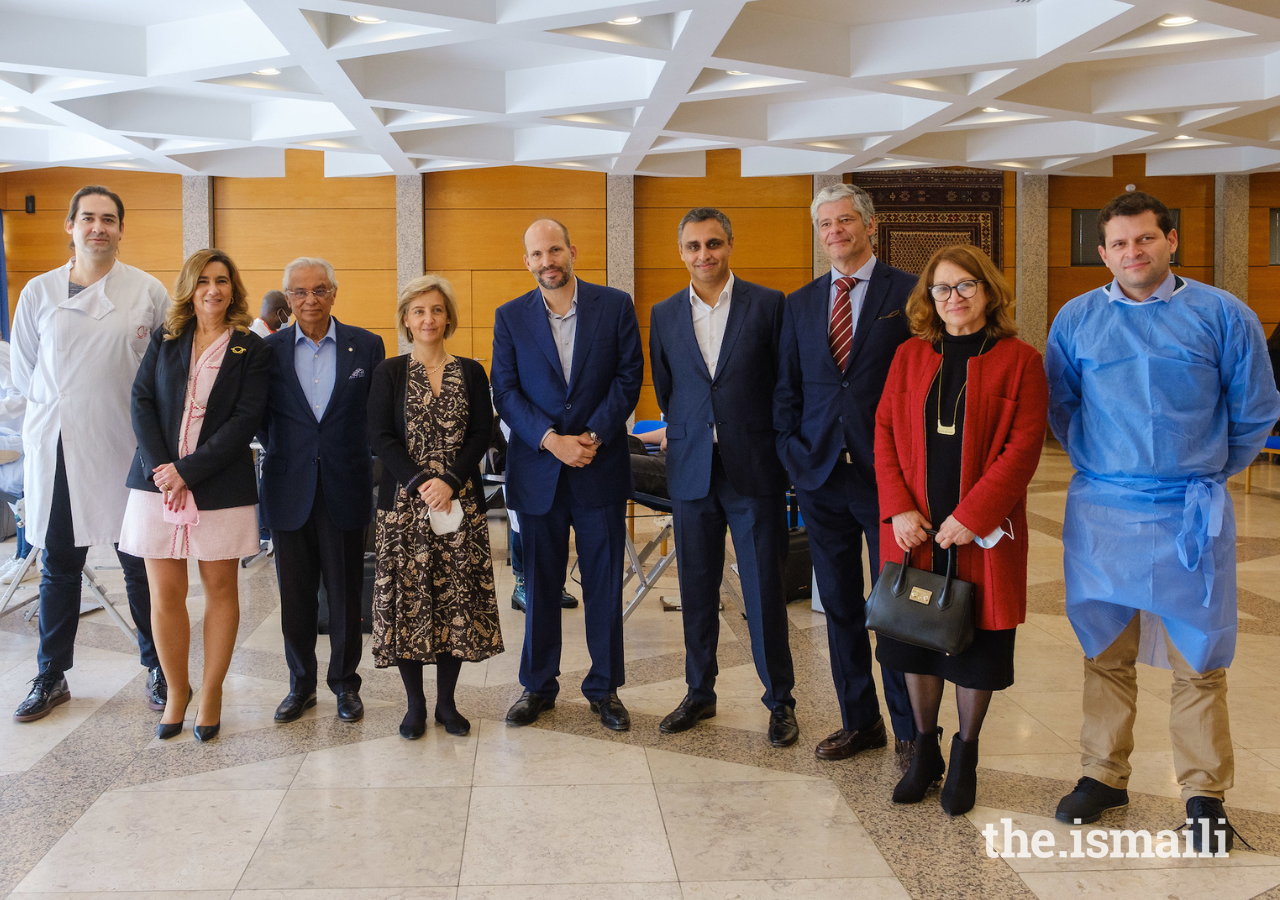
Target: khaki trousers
column 1198, row 724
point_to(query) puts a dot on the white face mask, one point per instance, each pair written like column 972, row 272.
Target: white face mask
column 986, row 543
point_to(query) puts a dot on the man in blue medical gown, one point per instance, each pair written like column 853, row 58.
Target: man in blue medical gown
column 1160, row 388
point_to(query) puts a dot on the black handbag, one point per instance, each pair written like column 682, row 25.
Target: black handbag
column 923, row 608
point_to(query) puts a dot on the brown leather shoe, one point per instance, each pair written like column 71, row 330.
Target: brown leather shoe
column 844, row 744
column 904, row 750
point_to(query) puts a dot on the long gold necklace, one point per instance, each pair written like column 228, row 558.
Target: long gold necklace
column 955, row 413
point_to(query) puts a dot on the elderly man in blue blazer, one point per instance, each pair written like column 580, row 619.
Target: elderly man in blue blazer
column 566, row 374
column 317, row 482
column 839, row 335
column 713, row 348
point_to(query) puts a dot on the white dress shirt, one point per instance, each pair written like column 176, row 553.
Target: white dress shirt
column 708, row 327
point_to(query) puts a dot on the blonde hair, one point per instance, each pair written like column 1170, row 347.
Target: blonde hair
column 183, row 310
column 922, row 312
column 425, row 285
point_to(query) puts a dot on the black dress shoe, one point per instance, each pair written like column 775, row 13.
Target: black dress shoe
column 453, row 721
column 350, row 709
column 568, row 601
column 1221, row 833
column 844, row 744
column 686, row 715
column 613, row 715
column 525, row 711
column 157, row 689
column 46, row 693
column 205, row 733
column 294, row 705
column 411, row 731
column 1089, row 801
column 783, row 728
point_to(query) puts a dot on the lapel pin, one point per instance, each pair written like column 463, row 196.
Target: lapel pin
column 237, row 349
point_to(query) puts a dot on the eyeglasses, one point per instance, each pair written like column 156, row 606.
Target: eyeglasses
column 966, row 289
column 323, row 293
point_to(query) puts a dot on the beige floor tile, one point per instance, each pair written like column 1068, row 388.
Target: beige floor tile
column 1050, row 504
column 171, row 841
column 1234, row 884
column 659, row 891
column 374, row 837
column 1060, row 850
column 1253, row 716
column 1046, row 666
column 798, row 889
column 766, row 831
column 1060, row 628
column 131, row 895
column 437, row 759
column 381, row 893
column 679, row 768
column 17, row 647
column 268, row 775
column 1270, row 754
column 1062, row 712
column 536, row 834
column 804, row 617
column 738, row 692
column 1008, row 728
column 531, row 756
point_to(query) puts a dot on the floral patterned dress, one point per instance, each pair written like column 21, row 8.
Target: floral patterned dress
column 434, row 593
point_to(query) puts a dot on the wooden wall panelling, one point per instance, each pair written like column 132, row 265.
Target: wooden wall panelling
column 1264, row 278
column 264, row 223
column 152, row 236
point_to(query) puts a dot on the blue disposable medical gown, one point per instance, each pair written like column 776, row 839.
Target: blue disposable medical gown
column 1157, row 403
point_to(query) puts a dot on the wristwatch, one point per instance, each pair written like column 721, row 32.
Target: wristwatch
column 595, row 437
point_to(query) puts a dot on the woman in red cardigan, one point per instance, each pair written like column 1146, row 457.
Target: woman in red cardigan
column 958, row 436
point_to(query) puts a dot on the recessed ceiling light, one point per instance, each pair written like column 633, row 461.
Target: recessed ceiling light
column 991, row 109
column 1183, row 137
column 266, row 71
column 626, row 20
column 1177, row 21
column 734, row 72
column 368, row 20
column 8, row 109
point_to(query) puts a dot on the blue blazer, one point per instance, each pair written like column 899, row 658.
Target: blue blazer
column 738, row 401
column 530, row 394
column 819, row 410
column 295, row 442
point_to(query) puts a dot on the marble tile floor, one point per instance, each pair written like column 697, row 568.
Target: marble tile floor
column 92, row 806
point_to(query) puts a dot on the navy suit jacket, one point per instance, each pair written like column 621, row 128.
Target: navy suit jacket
column 296, row 443
column 738, row 401
column 819, row 410
column 531, row 395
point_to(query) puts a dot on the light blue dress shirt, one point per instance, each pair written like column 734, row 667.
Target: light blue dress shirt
column 856, row 296
column 317, row 367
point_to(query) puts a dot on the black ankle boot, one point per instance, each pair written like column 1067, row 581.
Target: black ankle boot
column 961, row 788
column 926, row 768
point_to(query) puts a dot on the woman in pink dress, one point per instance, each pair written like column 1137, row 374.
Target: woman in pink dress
column 198, row 400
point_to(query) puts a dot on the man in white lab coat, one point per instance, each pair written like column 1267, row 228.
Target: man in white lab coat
column 79, row 333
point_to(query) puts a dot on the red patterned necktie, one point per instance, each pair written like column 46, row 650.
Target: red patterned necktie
column 840, row 337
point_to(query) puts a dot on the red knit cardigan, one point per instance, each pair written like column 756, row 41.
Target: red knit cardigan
column 1006, row 409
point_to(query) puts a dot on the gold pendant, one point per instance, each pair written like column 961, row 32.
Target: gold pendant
column 946, row 429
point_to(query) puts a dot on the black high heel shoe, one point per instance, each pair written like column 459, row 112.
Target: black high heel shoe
column 173, row 729
column 205, row 733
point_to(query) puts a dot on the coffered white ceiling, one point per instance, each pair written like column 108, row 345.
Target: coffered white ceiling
column 221, row 87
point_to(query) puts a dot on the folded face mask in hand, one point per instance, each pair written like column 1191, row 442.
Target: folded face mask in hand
column 187, row 515
column 446, row 522
column 986, row 543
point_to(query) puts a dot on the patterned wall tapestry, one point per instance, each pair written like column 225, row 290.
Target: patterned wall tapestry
column 921, row 210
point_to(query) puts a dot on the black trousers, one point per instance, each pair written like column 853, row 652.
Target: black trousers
column 320, row 549
column 61, row 580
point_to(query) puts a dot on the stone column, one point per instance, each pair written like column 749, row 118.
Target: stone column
column 1032, row 267
column 620, row 232
column 410, row 226
column 822, row 262
column 1231, row 234
column 197, row 213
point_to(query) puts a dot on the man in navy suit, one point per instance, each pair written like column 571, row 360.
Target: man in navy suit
column 714, row 352
column 839, row 335
column 317, row 482
column 566, row 374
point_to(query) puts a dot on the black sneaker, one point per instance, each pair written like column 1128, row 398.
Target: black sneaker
column 1221, row 834
column 47, row 691
column 1089, row 801
column 157, row 689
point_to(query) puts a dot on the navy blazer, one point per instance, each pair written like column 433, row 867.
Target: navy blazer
column 531, row 395
column 296, row 443
column 819, row 410
column 219, row 471
column 738, row 401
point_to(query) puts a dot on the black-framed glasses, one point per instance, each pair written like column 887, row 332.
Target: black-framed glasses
column 323, row 293
column 966, row 289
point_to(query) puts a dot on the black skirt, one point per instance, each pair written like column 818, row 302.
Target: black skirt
column 985, row 665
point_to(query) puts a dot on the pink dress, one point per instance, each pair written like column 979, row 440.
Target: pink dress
column 220, row 533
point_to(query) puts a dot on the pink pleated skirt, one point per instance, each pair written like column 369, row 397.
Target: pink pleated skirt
column 220, row 533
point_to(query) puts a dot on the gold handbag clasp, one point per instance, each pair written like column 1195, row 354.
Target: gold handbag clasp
column 920, row 595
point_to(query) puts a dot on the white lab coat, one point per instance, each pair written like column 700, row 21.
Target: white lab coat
column 12, row 408
column 75, row 360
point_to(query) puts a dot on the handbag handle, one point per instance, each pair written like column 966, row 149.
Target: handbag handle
column 900, row 583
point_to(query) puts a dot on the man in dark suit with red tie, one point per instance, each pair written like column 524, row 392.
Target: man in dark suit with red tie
column 839, row 335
